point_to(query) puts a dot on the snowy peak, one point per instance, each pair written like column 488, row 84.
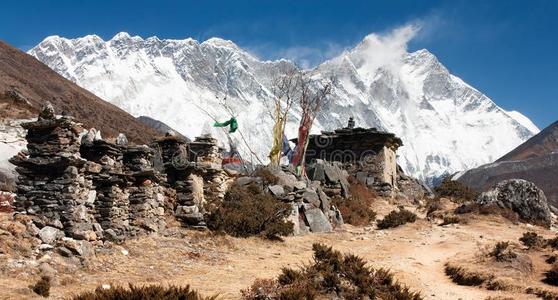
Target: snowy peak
column 446, row 124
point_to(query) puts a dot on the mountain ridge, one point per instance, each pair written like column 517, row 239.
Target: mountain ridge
column 446, row 124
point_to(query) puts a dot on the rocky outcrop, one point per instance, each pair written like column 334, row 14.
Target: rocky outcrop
column 522, row 197
column 310, row 199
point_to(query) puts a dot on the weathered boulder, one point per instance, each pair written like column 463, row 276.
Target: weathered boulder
column 316, row 219
column 277, row 190
column 522, row 197
column 50, row 234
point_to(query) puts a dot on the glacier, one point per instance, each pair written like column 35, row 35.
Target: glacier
column 446, row 125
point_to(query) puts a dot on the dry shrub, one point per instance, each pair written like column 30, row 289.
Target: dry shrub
column 455, row 190
column 551, row 276
column 551, row 259
column 462, row 276
column 502, row 252
column 397, row 218
column 532, row 240
column 6, row 202
column 331, row 275
column 267, row 176
column 249, row 211
column 448, row 219
column 552, row 243
column 357, row 209
column 543, row 294
column 432, row 206
column 152, row 292
column 42, row 287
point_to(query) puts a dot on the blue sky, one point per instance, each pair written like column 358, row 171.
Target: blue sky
column 507, row 49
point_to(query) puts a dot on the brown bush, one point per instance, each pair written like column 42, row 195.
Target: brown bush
column 357, row 209
column 397, row 218
column 455, row 190
column 42, row 287
column 331, row 275
column 462, row 276
column 152, row 292
column 551, row 276
column 432, row 206
column 543, row 294
column 502, row 252
column 552, row 243
column 249, row 211
column 532, row 240
column 451, row 220
column 267, row 176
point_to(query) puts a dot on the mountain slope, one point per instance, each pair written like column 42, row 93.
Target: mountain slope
column 446, row 125
column 27, row 83
column 536, row 160
column 541, row 144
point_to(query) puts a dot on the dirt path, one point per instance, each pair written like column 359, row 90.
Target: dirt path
column 416, row 253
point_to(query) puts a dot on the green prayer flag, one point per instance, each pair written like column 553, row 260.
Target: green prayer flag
column 231, row 122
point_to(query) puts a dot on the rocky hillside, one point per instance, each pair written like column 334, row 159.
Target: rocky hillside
column 446, row 125
column 25, row 83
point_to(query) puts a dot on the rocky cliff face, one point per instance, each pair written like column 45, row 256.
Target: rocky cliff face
column 446, row 125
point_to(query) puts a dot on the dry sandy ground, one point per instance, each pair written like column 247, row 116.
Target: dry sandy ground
column 416, row 253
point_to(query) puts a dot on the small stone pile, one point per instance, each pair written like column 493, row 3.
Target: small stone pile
column 146, row 210
column 52, row 187
column 312, row 210
column 332, row 177
column 106, row 170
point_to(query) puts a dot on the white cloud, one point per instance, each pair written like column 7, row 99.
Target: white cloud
column 383, row 50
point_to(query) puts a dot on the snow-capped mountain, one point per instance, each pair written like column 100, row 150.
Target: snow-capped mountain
column 446, row 125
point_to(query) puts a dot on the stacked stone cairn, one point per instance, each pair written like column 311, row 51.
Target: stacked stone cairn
column 106, row 170
column 208, row 159
column 195, row 171
column 146, row 200
column 179, row 170
column 52, row 188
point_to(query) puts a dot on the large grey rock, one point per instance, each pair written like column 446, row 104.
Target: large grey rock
column 277, row 190
column 311, row 197
column 49, row 234
column 521, row 196
column 316, row 219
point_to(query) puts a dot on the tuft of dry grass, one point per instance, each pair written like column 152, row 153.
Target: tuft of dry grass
column 551, row 276
column 448, row 219
column 502, row 252
column 462, row 276
column 532, row 240
column 42, row 287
